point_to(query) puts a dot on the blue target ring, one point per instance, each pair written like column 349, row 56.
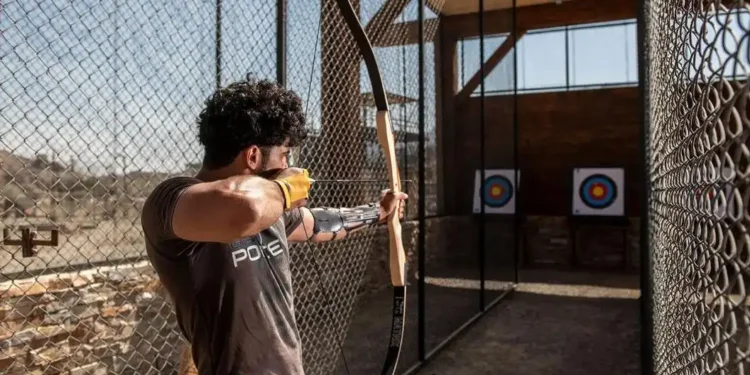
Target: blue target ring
column 598, row 191
column 497, row 191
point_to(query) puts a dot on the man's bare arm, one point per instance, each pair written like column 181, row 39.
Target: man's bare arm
column 227, row 210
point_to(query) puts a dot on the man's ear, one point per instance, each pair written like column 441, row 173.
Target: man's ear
column 253, row 158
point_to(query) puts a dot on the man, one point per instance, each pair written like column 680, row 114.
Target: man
column 219, row 240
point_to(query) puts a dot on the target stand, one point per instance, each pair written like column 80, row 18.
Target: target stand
column 503, row 215
column 598, row 205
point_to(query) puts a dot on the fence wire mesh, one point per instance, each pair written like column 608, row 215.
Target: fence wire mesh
column 697, row 141
column 341, row 108
column 98, row 100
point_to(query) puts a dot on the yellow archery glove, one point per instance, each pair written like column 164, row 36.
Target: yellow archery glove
column 295, row 184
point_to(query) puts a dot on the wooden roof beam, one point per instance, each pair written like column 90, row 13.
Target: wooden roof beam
column 489, row 66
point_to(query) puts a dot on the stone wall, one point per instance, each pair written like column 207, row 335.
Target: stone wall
column 97, row 321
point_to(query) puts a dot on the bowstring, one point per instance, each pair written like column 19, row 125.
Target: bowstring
column 315, row 255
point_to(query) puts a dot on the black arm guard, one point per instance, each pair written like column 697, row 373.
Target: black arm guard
column 333, row 220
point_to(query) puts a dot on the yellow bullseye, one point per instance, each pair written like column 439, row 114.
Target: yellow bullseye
column 598, row 191
column 496, row 191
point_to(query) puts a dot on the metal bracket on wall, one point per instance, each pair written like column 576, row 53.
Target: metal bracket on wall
column 28, row 241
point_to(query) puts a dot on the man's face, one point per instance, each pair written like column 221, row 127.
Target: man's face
column 277, row 157
column 260, row 159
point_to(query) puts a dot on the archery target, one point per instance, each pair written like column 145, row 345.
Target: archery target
column 498, row 189
column 598, row 191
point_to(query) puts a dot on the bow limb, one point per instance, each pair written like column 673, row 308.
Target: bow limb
column 385, row 137
column 387, row 143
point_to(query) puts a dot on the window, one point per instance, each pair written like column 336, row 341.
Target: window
column 541, row 60
column 562, row 58
column 603, row 55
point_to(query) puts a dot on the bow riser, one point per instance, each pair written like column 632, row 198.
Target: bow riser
column 397, row 254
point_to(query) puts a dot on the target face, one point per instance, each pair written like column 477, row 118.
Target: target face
column 498, row 190
column 598, row 191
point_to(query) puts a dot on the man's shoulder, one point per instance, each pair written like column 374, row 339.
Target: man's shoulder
column 159, row 205
column 176, row 181
column 171, row 184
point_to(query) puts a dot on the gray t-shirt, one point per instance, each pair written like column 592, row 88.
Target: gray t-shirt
column 234, row 302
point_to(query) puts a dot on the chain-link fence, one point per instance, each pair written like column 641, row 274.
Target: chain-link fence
column 98, row 100
column 696, row 61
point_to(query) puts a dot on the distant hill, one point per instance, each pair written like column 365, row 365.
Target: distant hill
column 26, row 183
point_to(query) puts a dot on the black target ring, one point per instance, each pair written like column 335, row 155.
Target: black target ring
column 598, row 191
column 497, row 191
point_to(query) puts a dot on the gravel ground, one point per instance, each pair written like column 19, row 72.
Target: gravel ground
column 555, row 323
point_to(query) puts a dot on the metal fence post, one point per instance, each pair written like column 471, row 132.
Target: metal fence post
column 422, row 191
column 646, row 314
column 281, row 35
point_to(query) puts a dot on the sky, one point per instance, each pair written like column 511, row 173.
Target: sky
column 119, row 83
column 106, row 82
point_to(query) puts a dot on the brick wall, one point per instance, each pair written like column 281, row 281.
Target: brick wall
column 557, row 132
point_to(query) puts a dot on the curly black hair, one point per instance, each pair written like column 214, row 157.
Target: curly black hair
column 249, row 113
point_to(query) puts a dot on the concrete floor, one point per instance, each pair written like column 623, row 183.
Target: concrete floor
column 567, row 323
